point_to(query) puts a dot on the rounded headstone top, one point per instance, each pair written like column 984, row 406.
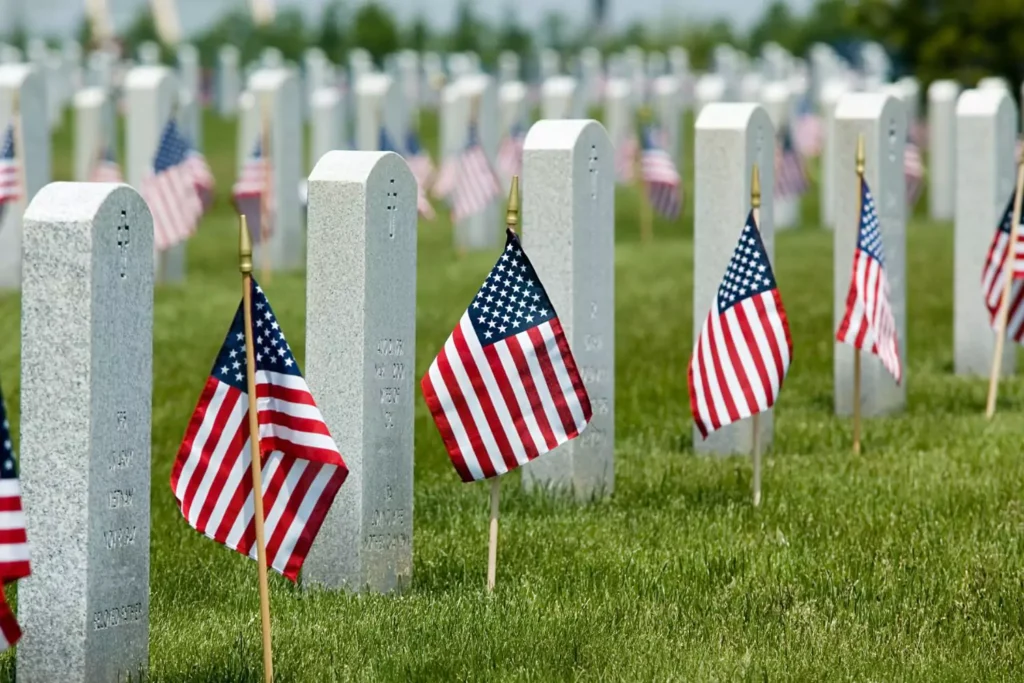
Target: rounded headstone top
column 348, row 166
column 474, row 83
column 666, row 84
column 373, row 84
column 270, row 78
column 90, row 97
column 982, row 102
column 560, row 133
column 64, row 202
column 993, row 83
column 325, row 97
column 867, row 105
column 558, row 84
column 729, row 115
column 146, row 77
column 617, row 88
column 944, row 89
column 14, row 75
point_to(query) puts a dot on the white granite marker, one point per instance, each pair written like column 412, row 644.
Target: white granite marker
column 248, row 130
column 777, row 101
column 150, row 95
column 278, row 96
column 229, row 80
column 86, row 397
column 667, row 105
column 190, row 118
column 560, row 98
column 26, row 84
column 831, row 92
column 619, row 112
column 942, row 102
column 569, row 231
column 986, row 129
column 327, row 119
column 95, row 128
column 360, row 353
column 149, row 53
column 378, row 101
column 189, row 70
column 590, row 67
column 881, row 119
column 513, row 107
column 709, row 89
column 730, row 139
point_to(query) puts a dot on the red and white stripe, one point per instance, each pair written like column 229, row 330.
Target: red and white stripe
column 510, row 156
column 868, row 323
column 10, row 184
column 202, row 177
column 625, row 159
column 913, row 171
column 211, row 478
column 476, row 185
column 808, row 135
column 444, row 183
column 423, row 171
column 14, row 559
column 10, row 632
column 500, row 406
column 106, row 171
column 992, row 283
column 174, row 203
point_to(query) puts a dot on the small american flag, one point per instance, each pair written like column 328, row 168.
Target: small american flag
column 106, row 169
column 252, row 183
column 661, row 177
column 808, row 134
column 505, row 388
column 476, row 185
column 302, row 468
column 868, row 323
column 913, row 172
column 992, row 281
column 444, row 182
column 744, row 349
column 10, row 183
column 14, row 561
column 510, row 154
column 790, row 173
column 625, row 159
column 171, row 191
column 419, row 164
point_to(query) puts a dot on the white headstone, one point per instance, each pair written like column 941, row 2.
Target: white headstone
column 619, row 113
column 709, row 89
column 189, row 70
column 271, row 58
column 996, row 82
column 508, row 66
column 328, row 123
column 777, row 101
column 942, row 102
column 550, row 64
column 360, row 358
column 590, row 68
column 86, row 397
column 881, row 119
column 409, row 82
column 730, row 139
column 278, row 96
column 190, row 118
column 513, row 107
column 986, row 130
column 248, row 131
column 149, row 54
column 26, row 84
column 831, row 92
column 377, row 100
column 635, row 64
column 229, row 80
column 569, row 231
column 150, row 95
column 666, row 102
column 752, row 85
column 95, row 130
column 561, row 98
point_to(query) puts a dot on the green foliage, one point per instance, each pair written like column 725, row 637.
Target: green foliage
column 333, row 38
column 466, row 34
column 375, row 30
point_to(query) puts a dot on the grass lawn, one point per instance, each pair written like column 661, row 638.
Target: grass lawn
column 903, row 563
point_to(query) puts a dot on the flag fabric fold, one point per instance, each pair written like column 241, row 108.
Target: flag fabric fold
column 744, row 349
column 171, row 190
column 106, row 168
column 510, row 154
column 790, row 172
column 248, row 194
column 302, row 467
column 10, row 175
column 14, row 549
column 868, row 323
column 660, row 175
column 913, row 172
column 505, row 388
column 626, row 152
column 419, row 164
column 993, row 274
column 475, row 184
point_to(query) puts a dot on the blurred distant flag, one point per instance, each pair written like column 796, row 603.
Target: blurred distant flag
column 913, row 172
column 660, row 176
column 625, row 159
column 106, row 169
column 918, row 133
column 790, row 172
column 868, row 323
column 510, row 153
column 10, row 180
column 248, row 194
column 992, row 281
column 14, row 560
column 505, row 388
column 419, row 164
column 171, row 191
column 744, row 349
column 475, row 184
column 302, row 468
column 202, row 176
column 808, row 133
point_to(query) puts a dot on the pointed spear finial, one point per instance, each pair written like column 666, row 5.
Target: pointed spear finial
column 244, row 247
column 860, row 154
column 755, row 188
column 512, row 215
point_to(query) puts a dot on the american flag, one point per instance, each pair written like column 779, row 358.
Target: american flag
column 444, row 182
column 790, row 173
column 992, row 281
column 106, row 169
column 913, row 172
column 868, row 323
column 252, row 183
column 808, row 133
column 10, row 183
column 14, row 561
column 475, row 183
column 661, row 178
column 744, row 349
column 202, row 176
column 419, row 164
column 171, row 191
column 505, row 388
column 510, row 153
column 302, row 468
column 625, row 159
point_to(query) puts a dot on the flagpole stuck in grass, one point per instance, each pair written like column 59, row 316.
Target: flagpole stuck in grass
column 856, row 350
column 512, row 221
column 1004, row 302
column 755, row 207
column 245, row 267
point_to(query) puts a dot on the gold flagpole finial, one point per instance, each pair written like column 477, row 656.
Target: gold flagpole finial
column 860, row 154
column 755, row 188
column 244, row 247
column 512, row 215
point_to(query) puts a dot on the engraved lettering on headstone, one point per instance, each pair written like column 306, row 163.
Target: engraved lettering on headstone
column 120, row 538
column 593, row 310
column 123, row 240
column 392, row 208
column 115, row 616
column 593, row 172
column 592, row 342
column 121, row 498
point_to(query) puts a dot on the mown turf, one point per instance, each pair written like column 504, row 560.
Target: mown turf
column 901, row 564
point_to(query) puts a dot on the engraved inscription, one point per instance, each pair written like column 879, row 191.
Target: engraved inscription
column 386, row 541
column 388, row 517
column 390, row 347
column 386, row 373
column 123, row 240
column 117, row 616
column 392, row 208
column 593, row 310
column 593, row 342
column 593, row 172
column 121, row 459
column 121, row 498
column 592, row 375
column 592, row 437
column 599, row 406
column 389, row 395
column 120, row 538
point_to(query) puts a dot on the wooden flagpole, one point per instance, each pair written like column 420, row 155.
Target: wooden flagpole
column 268, row 182
column 512, row 221
column 245, row 267
column 856, row 351
column 755, row 203
column 1004, row 303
